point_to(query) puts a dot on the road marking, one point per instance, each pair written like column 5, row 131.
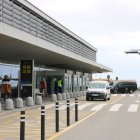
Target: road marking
column 131, row 95
column 84, row 106
column 63, row 107
column 123, row 95
column 49, row 106
column 133, row 108
column 137, row 101
column 68, row 128
column 115, row 107
column 116, row 99
column 114, row 94
column 98, row 107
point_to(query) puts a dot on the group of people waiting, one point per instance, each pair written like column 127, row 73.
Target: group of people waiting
column 6, row 87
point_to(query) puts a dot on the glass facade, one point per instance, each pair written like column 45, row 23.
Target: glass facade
column 21, row 17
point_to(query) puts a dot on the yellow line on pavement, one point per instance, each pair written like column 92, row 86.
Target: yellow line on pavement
column 9, row 115
column 68, row 128
column 116, row 99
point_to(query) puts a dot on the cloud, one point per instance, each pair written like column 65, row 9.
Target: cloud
column 112, row 26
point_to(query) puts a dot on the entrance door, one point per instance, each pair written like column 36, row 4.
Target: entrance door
column 76, row 83
column 68, row 83
column 85, row 84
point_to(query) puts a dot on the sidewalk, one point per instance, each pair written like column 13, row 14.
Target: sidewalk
column 10, row 120
column 25, row 107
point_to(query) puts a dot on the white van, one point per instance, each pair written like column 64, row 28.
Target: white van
column 98, row 90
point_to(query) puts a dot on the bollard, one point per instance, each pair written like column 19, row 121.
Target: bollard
column 42, row 122
column 68, row 112
column 57, row 116
column 22, row 125
column 76, row 109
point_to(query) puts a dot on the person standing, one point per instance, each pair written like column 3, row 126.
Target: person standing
column 43, row 86
column 59, row 85
column 6, row 87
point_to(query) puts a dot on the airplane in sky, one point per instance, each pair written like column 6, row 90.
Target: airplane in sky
column 132, row 51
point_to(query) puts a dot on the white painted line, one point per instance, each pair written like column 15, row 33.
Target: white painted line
column 133, row 108
column 114, row 94
column 123, row 95
column 98, row 107
column 115, row 107
column 137, row 101
column 131, row 95
column 80, row 107
column 49, row 106
column 63, row 107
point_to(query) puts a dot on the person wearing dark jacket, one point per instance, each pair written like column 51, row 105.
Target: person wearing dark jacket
column 6, row 87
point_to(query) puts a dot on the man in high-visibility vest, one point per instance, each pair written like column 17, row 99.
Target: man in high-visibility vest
column 59, row 85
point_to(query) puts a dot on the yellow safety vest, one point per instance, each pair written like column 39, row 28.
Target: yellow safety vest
column 59, row 83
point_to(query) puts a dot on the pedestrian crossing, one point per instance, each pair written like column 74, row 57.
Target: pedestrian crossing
column 115, row 107
column 98, row 106
column 123, row 95
column 133, row 108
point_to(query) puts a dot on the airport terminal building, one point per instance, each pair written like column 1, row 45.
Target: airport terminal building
column 27, row 33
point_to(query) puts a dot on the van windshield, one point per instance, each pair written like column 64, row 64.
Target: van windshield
column 97, row 85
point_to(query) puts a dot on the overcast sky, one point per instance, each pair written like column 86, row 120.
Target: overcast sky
column 111, row 26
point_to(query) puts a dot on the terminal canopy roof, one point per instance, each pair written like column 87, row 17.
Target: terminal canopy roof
column 17, row 44
column 13, row 50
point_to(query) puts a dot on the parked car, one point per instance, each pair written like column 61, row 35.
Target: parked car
column 123, row 86
column 98, row 90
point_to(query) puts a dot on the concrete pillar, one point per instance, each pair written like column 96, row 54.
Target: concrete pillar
column 63, row 96
column 53, row 97
column 38, row 100
column 9, row 104
column 19, row 103
column 74, row 94
column 71, row 95
column 84, row 92
column 59, row 96
column 29, row 101
column 67, row 95
column 78, row 93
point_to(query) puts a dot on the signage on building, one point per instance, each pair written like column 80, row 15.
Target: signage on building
column 26, row 71
column 26, row 77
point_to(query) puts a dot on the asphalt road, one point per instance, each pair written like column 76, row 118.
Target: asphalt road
column 117, row 119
